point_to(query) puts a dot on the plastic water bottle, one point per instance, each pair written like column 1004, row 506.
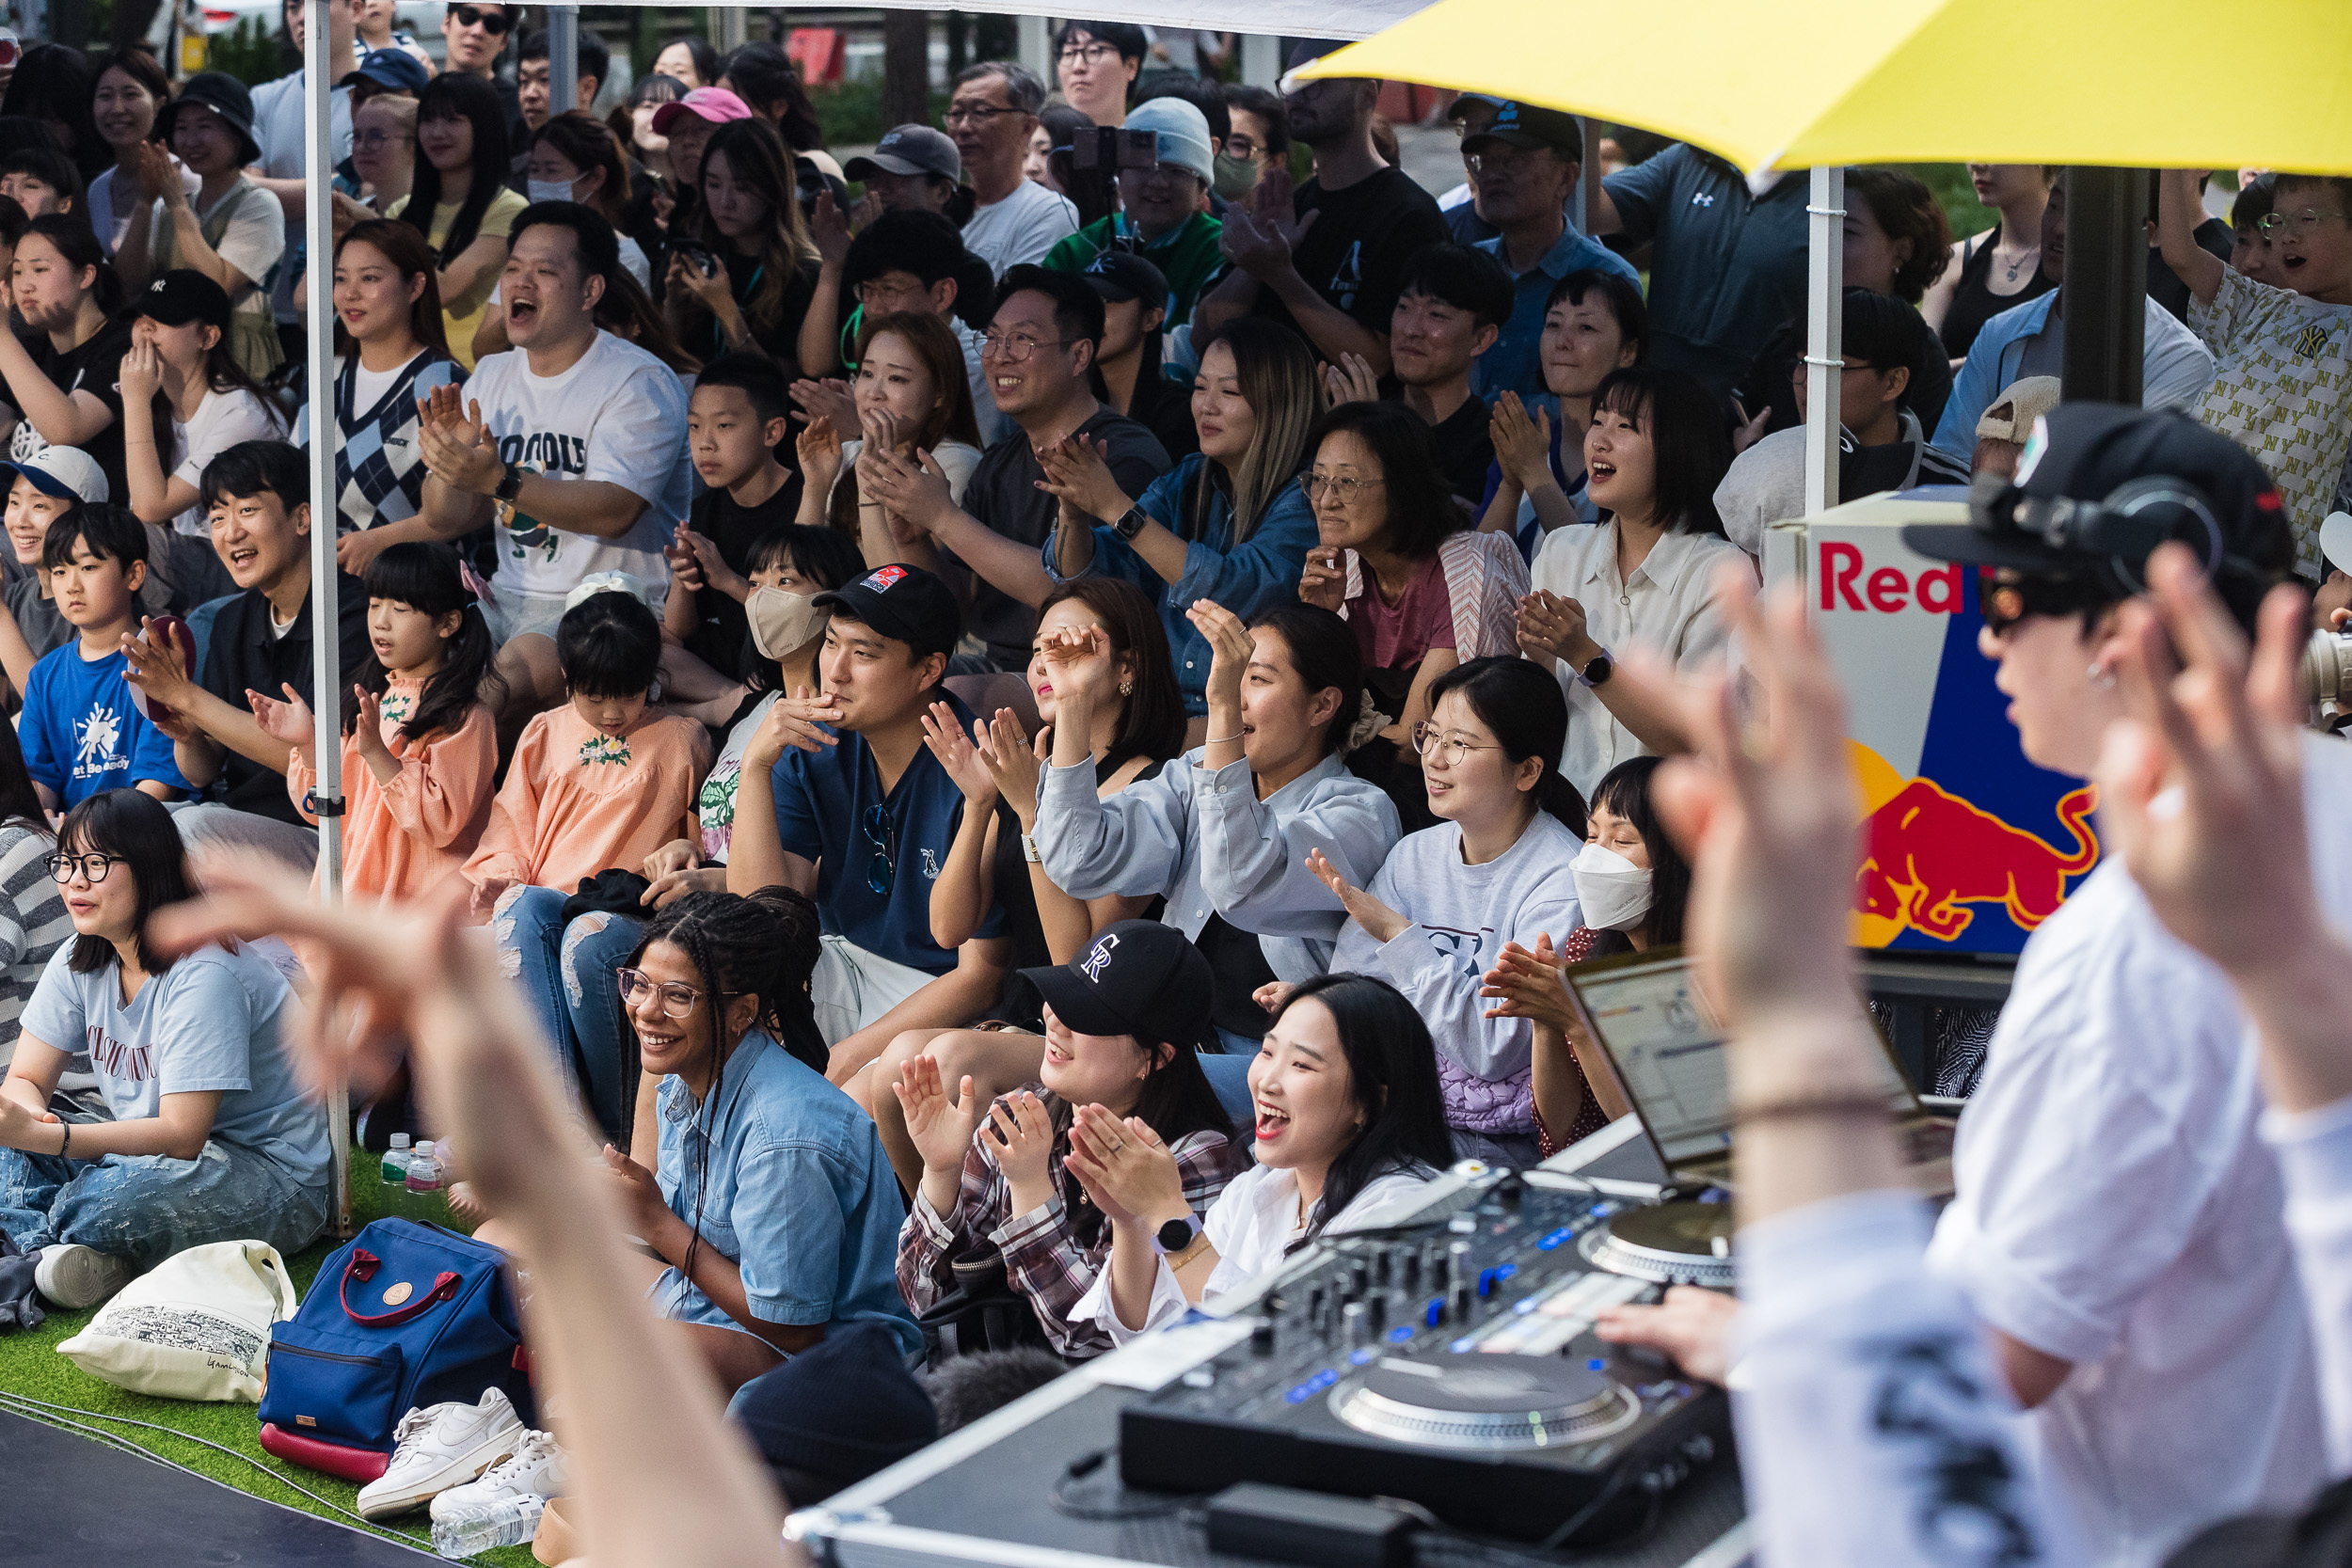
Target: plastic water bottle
column 424, row 1168
column 510, row 1521
column 396, row 1161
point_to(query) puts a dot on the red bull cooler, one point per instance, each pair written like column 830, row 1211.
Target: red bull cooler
column 1968, row 845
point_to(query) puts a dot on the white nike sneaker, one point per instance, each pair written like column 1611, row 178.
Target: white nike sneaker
column 73, row 1276
column 534, row 1469
column 441, row 1446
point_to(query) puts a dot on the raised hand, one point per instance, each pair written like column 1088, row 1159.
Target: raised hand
column 1352, row 380
column 819, row 447
column 914, row 487
column 1077, row 662
column 710, row 566
column 1023, row 1132
column 1270, row 996
column 944, row 734
column 1381, row 923
column 1231, row 649
column 367, row 730
column 940, row 1127
column 828, row 399
column 830, row 231
column 1014, row 762
column 887, row 431
column 289, row 721
column 1522, row 442
column 1324, row 581
column 141, row 371
column 792, row 724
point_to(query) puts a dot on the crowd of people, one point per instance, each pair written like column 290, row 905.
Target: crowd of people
column 1058, row 722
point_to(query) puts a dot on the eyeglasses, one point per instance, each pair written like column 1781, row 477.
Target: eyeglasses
column 493, row 22
column 1239, row 146
column 879, row 873
column 1015, row 347
column 678, row 1001
column 1446, row 751
column 2004, row 604
column 2297, row 224
column 374, row 140
column 90, row 868
column 975, row 113
column 1342, row 488
column 1087, row 53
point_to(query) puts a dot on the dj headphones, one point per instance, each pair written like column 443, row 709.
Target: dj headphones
column 2120, row 530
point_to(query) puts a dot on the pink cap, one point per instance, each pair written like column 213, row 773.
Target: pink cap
column 715, row 104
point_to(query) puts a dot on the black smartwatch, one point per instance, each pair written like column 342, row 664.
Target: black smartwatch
column 1175, row 1235
column 1597, row 671
column 1131, row 522
column 511, row 485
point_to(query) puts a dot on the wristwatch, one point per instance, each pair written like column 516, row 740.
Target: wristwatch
column 1175, row 1235
column 1131, row 522
column 511, row 485
column 1597, row 671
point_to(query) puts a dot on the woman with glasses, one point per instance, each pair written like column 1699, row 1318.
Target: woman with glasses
column 1422, row 591
column 130, row 89
column 207, row 1135
column 1497, row 868
column 601, row 782
column 382, row 153
column 1096, row 63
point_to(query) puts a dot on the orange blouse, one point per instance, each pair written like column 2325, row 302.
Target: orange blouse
column 403, row 839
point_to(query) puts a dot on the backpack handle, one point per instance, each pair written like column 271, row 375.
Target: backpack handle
column 362, row 1267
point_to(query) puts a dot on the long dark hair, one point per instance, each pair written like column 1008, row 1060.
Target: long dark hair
column 756, row 158
column 423, row 575
column 1690, row 443
column 1625, row 791
column 628, row 312
column 1421, row 511
column 587, row 143
column 1152, row 723
column 406, row 249
column 1175, row 1101
column 53, row 82
column 456, row 95
column 19, row 802
column 1324, row 653
column 762, row 76
column 69, row 233
column 1392, row 1074
column 135, row 830
column 1520, row 702
column 1275, row 370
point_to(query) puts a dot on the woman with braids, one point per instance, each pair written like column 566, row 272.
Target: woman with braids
column 1122, row 1019
column 774, row 1213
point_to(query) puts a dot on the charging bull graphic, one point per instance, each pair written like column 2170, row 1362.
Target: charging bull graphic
column 1928, row 853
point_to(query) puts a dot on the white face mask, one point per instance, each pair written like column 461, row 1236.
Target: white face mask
column 550, row 190
column 1614, row 891
column 783, row 623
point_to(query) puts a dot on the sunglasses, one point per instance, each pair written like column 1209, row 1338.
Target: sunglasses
column 493, row 22
column 2006, row 602
column 879, row 873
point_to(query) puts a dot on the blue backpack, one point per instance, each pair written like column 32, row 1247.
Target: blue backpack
column 406, row 1315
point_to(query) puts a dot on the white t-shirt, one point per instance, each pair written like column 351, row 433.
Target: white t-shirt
column 255, row 238
column 222, row 420
column 954, row 458
column 113, row 226
column 1668, row 605
column 617, row 415
column 2117, row 1208
column 1022, row 228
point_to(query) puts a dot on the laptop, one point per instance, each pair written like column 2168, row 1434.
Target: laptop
column 1670, row 1056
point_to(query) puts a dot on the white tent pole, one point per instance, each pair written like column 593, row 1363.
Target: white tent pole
column 563, row 57
column 327, row 675
column 1261, row 59
column 1035, row 38
column 730, row 28
column 1824, row 349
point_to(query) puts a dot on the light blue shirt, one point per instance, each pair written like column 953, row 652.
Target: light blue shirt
column 1514, row 362
column 2175, row 368
column 786, row 1177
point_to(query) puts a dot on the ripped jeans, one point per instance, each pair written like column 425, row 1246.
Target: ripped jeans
column 567, row 972
column 146, row 1206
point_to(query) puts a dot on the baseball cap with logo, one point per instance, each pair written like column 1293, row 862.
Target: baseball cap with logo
column 909, row 149
column 390, row 70
column 1119, row 276
column 1135, row 978
column 903, row 602
column 68, row 473
column 1519, row 124
column 715, row 104
column 182, row 295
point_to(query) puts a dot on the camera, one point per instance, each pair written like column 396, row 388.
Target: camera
column 2327, row 667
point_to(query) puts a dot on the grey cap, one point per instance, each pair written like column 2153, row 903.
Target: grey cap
column 909, row 149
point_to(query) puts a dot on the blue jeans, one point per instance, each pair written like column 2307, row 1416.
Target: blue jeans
column 1229, row 1075
column 146, row 1206
column 566, row 974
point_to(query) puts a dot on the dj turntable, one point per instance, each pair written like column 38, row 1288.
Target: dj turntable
column 1673, row 1244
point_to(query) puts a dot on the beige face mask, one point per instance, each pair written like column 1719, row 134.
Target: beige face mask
column 782, row 623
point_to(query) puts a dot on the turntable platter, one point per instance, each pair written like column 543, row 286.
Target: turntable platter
column 1672, row 1243
column 1484, row 1401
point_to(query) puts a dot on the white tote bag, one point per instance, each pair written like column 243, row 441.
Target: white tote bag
column 196, row 1327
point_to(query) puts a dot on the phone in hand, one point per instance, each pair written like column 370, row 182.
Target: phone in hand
column 699, row 257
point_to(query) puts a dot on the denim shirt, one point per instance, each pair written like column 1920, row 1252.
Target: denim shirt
column 1246, row 579
column 1514, row 362
column 795, row 1191
column 1210, row 845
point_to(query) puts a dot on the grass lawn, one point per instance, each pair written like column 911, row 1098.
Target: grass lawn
column 30, row 1367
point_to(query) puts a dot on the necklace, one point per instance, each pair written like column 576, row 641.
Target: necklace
column 2012, row 268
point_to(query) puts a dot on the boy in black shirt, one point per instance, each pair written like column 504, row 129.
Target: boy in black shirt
column 1451, row 306
column 735, row 423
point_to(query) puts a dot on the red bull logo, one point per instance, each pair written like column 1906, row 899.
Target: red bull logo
column 1928, row 853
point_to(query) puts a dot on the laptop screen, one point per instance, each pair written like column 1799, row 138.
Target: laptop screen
column 1669, row 1052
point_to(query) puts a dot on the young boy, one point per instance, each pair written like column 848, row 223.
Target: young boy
column 737, row 422
column 2282, row 375
column 41, row 490
column 1455, row 302
column 256, row 493
column 81, row 732
column 2252, row 250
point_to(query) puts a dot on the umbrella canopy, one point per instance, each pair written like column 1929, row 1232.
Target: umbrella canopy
column 2168, row 84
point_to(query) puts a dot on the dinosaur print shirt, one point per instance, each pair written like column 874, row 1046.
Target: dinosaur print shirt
column 81, row 734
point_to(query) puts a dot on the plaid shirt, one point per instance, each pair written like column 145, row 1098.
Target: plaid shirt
column 1043, row 1261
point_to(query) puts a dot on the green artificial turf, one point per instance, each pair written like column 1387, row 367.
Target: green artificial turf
column 31, row 1366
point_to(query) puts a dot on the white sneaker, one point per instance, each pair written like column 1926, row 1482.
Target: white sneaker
column 441, row 1446
column 534, row 1469
column 73, row 1276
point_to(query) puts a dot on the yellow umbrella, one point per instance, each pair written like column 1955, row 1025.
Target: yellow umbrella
column 2168, row 84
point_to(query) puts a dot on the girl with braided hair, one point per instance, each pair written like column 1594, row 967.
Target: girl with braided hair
column 768, row 1200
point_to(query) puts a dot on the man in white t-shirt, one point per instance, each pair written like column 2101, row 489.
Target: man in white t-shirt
column 278, row 126
column 991, row 115
column 573, row 443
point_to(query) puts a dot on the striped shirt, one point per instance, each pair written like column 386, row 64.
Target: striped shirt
column 32, row 922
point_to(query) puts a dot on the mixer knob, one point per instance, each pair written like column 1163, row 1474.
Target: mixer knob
column 1377, row 1306
column 1262, row 1338
column 1358, row 1316
column 1359, row 1278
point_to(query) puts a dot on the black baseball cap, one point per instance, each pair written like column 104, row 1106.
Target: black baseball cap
column 2222, row 504
column 903, row 602
column 184, row 295
column 1135, row 978
column 1519, row 124
column 1119, row 276
column 390, row 70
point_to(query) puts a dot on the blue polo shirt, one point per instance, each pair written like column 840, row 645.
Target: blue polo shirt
column 784, row 1175
column 1515, row 363
column 80, row 733
column 824, row 806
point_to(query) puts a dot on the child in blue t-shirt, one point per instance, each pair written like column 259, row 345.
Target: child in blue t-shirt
column 81, row 732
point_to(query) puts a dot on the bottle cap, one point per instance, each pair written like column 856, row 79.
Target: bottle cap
column 400, row 1140
column 424, row 1146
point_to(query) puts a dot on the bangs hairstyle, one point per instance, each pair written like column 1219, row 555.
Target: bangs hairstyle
column 1152, row 723
column 254, row 468
column 424, row 576
column 817, row 554
column 1271, row 111
column 112, row 533
column 456, row 95
column 404, row 251
column 1623, row 300
column 1125, row 36
column 609, row 645
column 138, row 63
column 759, row 378
column 1421, row 511
column 952, row 420
column 1324, row 652
column 1392, row 1078
column 758, row 160
column 1276, row 371
column 1684, row 422
column 1521, row 703
column 1464, row 277
column 53, row 169
column 588, row 145
column 1905, row 209
column 1625, row 791
column 2256, row 201
column 68, row 234
column 137, row 831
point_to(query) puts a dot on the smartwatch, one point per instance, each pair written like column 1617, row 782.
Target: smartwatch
column 1175, row 1235
column 1131, row 522
column 1597, row 671
column 510, row 486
